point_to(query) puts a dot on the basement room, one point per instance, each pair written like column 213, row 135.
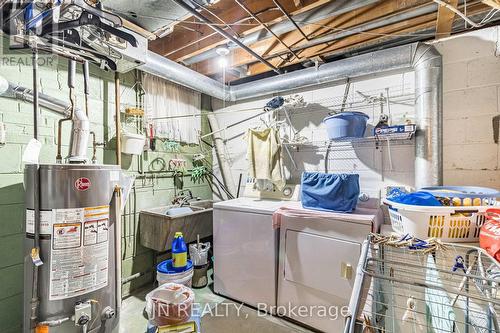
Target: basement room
column 241, row 166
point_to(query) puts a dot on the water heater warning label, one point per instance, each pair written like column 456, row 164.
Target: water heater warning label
column 79, row 254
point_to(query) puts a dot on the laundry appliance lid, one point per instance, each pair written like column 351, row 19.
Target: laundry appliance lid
column 251, row 205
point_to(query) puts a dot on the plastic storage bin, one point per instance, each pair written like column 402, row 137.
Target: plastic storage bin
column 450, row 224
column 165, row 274
column 346, row 125
column 132, row 144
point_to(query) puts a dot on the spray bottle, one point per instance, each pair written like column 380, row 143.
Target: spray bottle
column 179, row 253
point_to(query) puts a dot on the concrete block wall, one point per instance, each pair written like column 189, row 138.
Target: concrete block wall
column 471, row 69
column 370, row 160
column 471, row 76
column 18, row 117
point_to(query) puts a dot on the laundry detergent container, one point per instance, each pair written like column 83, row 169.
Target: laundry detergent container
column 346, row 125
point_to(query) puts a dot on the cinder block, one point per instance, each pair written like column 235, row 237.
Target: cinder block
column 471, row 157
column 479, row 129
column 487, row 178
column 137, row 264
column 468, row 46
column 11, row 313
column 483, row 71
column 453, row 132
column 470, row 103
column 12, row 219
column 454, row 76
column 11, row 248
column 11, row 189
column 12, row 161
column 10, row 283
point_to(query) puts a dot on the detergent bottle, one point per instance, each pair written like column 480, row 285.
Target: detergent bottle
column 179, row 253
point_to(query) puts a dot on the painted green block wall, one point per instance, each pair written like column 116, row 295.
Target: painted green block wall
column 148, row 191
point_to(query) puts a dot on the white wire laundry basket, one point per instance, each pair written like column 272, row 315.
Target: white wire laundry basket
column 448, row 223
column 409, row 285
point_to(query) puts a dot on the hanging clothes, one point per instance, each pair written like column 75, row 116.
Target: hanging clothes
column 167, row 99
column 264, row 156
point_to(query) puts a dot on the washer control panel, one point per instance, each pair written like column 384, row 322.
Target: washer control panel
column 269, row 191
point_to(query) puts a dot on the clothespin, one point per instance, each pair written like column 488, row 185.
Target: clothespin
column 459, row 264
column 367, row 324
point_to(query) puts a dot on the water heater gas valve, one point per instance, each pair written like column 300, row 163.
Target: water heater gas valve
column 83, row 313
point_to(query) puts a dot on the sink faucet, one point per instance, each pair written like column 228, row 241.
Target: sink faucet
column 182, row 199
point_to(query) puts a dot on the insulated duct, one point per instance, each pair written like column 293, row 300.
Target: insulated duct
column 80, row 130
column 424, row 59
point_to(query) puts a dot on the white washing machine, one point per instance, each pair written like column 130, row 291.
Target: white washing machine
column 317, row 261
column 246, row 246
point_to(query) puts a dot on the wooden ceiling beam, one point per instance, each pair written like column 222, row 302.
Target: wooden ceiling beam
column 374, row 38
column 229, row 13
column 359, row 40
column 294, row 38
column 492, row 3
column 445, row 19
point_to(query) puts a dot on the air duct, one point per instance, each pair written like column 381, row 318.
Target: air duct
column 424, row 59
column 80, row 130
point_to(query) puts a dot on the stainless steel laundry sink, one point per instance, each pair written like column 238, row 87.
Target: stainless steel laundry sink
column 157, row 229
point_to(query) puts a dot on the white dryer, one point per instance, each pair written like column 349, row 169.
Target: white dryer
column 318, row 256
column 246, row 247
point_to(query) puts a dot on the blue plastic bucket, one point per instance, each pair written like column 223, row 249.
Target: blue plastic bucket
column 346, row 125
column 165, row 273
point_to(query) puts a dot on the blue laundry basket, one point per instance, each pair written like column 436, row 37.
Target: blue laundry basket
column 329, row 191
column 346, row 125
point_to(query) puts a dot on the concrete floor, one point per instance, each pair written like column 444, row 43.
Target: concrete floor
column 221, row 315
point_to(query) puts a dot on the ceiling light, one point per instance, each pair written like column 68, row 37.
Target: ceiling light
column 222, row 51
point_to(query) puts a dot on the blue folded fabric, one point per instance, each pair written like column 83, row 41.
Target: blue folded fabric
column 420, row 198
column 329, row 191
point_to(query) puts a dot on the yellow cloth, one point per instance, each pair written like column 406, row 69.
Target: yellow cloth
column 264, row 156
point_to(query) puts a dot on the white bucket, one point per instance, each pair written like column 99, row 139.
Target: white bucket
column 132, row 144
column 184, row 278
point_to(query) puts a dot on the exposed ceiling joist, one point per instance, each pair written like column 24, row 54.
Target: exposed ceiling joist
column 321, row 28
column 445, row 19
column 492, row 3
column 380, row 35
column 174, row 45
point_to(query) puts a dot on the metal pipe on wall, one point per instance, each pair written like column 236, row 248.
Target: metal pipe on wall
column 80, row 127
column 118, row 123
column 35, row 251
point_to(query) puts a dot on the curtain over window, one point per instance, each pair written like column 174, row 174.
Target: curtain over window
column 168, row 100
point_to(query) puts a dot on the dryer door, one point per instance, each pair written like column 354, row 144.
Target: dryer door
column 321, row 263
column 314, row 275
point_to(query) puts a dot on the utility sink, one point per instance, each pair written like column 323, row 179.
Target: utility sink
column 157, row 229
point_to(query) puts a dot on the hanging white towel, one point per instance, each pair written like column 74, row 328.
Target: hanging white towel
column 264, row 156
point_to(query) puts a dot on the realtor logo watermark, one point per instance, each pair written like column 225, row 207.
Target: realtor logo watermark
column 14, row 49
column 162, row 310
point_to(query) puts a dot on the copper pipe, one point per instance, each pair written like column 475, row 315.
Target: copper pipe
column 118, row 124
column 256, row 18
